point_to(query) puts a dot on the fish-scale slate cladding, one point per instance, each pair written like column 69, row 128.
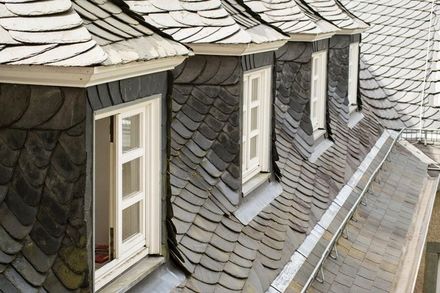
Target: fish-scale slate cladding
column 394, row 54
column 214, row 21
column 219, row 252
column 42, row 181
column 291, row 16
column 77, row 33
column 334, row 11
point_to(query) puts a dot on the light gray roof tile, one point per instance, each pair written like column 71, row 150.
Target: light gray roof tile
column 77, row 33
column 213, row 21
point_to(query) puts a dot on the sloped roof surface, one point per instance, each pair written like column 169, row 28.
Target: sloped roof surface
column 394, row 50
column 335, row 12
column 205, row 21
column 368, row 260
column 76, row 33
column 291, row 16
column 219, row 251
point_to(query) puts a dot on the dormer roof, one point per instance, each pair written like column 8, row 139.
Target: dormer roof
column 294, row 18
column 221, row 22
column 337, row 14
column 77, row 33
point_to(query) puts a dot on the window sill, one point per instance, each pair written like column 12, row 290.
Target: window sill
column 254, row 183
column 318, row 135
column 258, row 200
column 320, row 148
column 355, row 118
column 133, row 275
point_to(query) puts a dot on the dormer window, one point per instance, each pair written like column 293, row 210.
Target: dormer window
column 256, row 123
column 127, row 187
column 353, row 77
column 319, row 93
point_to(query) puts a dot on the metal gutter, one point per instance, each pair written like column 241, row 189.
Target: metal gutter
column 347, row 218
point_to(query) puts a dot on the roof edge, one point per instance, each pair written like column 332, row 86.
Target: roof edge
column 301, row 37
column 351, row 31
column 302, row 253
column 235, row 49
column 83, row 77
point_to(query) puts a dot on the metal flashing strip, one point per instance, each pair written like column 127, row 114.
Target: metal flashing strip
column 83, row 76
column 320, row 149
column 299, row 257
column 254, row 204
column 354, row 119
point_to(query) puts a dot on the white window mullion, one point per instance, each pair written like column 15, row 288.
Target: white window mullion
column 118, row 182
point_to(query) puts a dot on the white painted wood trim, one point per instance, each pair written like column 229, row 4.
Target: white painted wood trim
column 148, row 241
column 351, row 31
column 299, row 257
column 310, row 37
column 83, row 77
column 235, row 49
column 115, row 268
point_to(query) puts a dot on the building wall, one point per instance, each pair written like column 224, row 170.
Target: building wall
column 218, row 251
column 43, row 243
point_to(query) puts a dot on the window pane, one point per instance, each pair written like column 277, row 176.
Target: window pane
column 255, row 86
column 131, row 177
column 254, row 118
column 253, row 147
column 130, row 133
column 131, row 221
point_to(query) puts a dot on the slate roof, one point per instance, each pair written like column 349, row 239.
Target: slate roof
column 213, row 21
column 77, row 33
column 394, row 52
column 291, row 16
column 334, row 11
column 368, row 260
column 208, row 240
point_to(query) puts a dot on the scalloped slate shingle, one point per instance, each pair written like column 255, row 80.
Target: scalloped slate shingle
column 207, row 239
column 336, row 13
column 42, row 181
column 213, row 21
column 291, row 16
column 77, row 33
column 394, row 52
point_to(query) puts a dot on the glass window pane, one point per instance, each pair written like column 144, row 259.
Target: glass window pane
column 253, row 147
column 255, row 87
column 131, row 177
column 254, row 118
column 131, row 219
column 130, row 133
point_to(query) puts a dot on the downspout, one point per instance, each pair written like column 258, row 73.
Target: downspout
column 428, row 49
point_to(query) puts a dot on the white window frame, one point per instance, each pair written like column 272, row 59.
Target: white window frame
column 149, row 152
column 253, row 166
column 318, row 96
column 353, row 74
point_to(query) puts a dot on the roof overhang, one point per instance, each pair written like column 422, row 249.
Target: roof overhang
column 83, row 76
column 351, row 31
column 235, row 49
column 310, row 37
